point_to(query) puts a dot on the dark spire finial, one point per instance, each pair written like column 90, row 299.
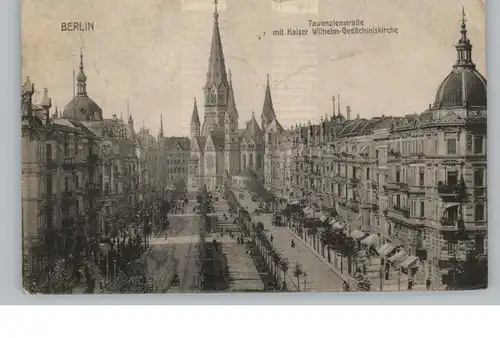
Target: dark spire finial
column 216, row 14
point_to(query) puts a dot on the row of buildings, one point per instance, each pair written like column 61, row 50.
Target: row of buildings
column 404, row 184
column 399, row 184
column 80, row 170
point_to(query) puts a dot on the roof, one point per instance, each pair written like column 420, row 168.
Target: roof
column 170, row 143
column 195, row 118
column 216, row 74
column 218, row 139
column 83, row 108
column 462, row 85
column 268, row 114
column 231, row 103
column 252, row 129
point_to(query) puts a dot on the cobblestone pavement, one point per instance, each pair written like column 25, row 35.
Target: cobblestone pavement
column 319, row 276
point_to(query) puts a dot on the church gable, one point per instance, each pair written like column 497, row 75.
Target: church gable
column 209, row 146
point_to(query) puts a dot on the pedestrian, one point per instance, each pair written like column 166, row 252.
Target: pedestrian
column 272, row 238
column 428, row 284
column 410, row 283
column 364, row 268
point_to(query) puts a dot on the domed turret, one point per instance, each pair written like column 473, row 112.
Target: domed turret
column 82, row 107
column 464, row 86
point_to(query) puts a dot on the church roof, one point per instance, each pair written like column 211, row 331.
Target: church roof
column 252, row 129
column 218, row 139
column 201, row 142
column 231, row 104
column 195, row 118
column 216, row 68
column 268, row 109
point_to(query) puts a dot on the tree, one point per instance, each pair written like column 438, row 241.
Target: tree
column 327, row 239
column 298, row 272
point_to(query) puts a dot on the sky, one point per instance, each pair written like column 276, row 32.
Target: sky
column 154, row 53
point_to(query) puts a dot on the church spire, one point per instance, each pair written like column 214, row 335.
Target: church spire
column 463, row 47
column 81, row 78
column 231, row 104
column 216, row 68
column 195, row 118
column 268, row 114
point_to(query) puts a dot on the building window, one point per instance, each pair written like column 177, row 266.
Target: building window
column 50, row 217
column 66, row 184
column 479, row 212
column 478, row 145
column 48, row 150
column 479, row 245
column 258, row 160
column 49, row 184
column 422, row 179
column 367, row 173
column 66, row 148
column 398, row 176
column 452, row 178
column 451, row 146
column 422, row 209
column 478, row 177
column 398, row 201
column 213, row 98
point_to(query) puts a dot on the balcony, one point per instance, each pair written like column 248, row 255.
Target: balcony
column 451, row 192
column 69, row 163
column 416, row 189
column 52, row 164
column 353, row 181
column 393, row 155
column 92, row 189
column 451, row 224
column 93, row 159
column 404, row 211
column 68, row 194
column 402, row 186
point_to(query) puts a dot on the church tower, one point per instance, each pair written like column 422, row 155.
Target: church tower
column 195, row 122
column 217, row 87
column 268, row 114
column 231, row 146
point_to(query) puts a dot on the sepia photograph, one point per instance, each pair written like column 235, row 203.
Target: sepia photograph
column 227, row 146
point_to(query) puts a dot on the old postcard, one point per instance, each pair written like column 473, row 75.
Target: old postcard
column 253, row 146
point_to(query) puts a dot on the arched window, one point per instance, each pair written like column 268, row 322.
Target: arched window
column 244, row 161
column 258, row 162
column 213, row 98
column 250, row 164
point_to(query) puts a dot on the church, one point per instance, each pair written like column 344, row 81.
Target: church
column 220, row 150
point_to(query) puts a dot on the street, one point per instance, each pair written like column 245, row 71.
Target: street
column 319, row 276
column 177, row 253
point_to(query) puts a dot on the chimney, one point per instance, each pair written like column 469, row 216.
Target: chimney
column 333, row 100
column 357, row 116
column 348, row 112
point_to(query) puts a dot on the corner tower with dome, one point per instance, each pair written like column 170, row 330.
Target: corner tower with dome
column 219, row 148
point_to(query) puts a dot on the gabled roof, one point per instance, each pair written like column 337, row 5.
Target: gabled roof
column 217, row 139
column 170, row 143
column 252, row 129
column 267, row 109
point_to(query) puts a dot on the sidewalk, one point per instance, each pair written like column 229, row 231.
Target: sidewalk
column 320, row 276
column 242, row 271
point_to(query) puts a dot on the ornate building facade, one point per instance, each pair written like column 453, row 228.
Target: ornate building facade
column 412, row 188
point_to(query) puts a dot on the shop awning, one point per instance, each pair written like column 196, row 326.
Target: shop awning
column 386, row 249
column 409, row 262
column 357, row 234
column 370, row 240
column 398, row 257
